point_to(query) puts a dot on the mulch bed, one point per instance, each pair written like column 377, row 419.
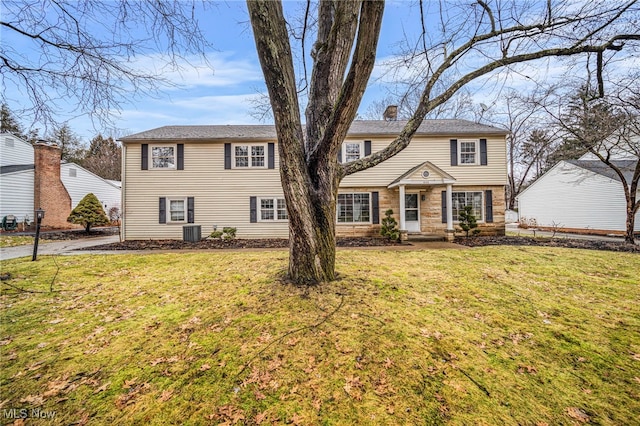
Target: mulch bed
column 548, row 242
column 238, row 243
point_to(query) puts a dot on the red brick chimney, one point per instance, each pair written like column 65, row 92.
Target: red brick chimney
column 49, row 192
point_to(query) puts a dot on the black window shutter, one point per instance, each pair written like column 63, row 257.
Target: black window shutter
column 340, row 154
column 444, row 206
column 367, row 148
column 454, row 151
column 180, row 156
column 253, row 209
column 162, row 210
column 190, row 210
column 227, row 155
column 483, row 152
column 488, row 204
column 271, row 148
column 375, row 206
column 145, row 156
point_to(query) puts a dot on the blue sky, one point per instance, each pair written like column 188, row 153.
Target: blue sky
column 224, row 95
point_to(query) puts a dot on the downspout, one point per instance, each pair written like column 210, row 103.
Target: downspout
column 123, row 192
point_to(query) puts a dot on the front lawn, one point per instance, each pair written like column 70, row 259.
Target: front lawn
column 489, row 335
column 14, row 241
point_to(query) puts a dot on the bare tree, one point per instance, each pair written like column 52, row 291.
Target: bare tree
column 87, row 51
column 608, row 127
column 488, row 35
column 529, row 140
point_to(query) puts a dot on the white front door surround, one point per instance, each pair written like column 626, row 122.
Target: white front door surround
column 412, row 211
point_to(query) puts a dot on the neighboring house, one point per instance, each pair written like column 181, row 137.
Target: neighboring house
column 80, row 181
column 582, row 195
column 16, row 173
column 33, row 177
column 218, row 176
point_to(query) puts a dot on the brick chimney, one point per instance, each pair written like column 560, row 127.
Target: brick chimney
column 49, row 193
column 391, row 113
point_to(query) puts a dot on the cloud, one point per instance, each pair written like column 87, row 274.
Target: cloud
column 219, row 69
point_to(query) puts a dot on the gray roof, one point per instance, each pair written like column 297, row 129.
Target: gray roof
column 596, row 166
column 16, row 168
column 358, row 128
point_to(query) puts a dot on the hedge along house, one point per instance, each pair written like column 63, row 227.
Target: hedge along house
column 228, row 176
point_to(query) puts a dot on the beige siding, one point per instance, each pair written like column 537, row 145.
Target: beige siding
column 221, row 196
column 435, row 150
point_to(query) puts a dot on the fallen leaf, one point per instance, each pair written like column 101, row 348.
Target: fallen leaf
column 388, row 363
column 205, row 367
column 578, row 414
column 129, row 383
column 166, row 395
column 103, row 388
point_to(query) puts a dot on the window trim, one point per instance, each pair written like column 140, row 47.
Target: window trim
column 275, row 209
column 476, row 152
column 249, row 165
column 185, row 209
column 343, row 149
column 482, row 205
column 175, row 156
column 369, row 222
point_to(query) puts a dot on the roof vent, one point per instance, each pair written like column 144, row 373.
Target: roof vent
column 391, row 113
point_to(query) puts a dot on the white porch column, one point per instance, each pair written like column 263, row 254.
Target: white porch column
column 449, row 208
column 402, row 219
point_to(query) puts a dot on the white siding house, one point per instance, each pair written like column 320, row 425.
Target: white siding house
column 578, row 195
column 17, row 180
column 16, row 177
column 80, row 181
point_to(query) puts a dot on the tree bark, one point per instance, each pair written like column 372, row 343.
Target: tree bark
column 309, row 169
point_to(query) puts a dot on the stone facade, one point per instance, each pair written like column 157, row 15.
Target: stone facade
column 49, row 192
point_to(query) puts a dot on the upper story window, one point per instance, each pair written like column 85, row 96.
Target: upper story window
column 72, row 173
column 352, row 151
column 163, row 157
column 468, row 152
column 249, row 156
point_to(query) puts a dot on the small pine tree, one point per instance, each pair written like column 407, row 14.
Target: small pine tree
column 88, row 212
column 389, row 227
column 468, row 221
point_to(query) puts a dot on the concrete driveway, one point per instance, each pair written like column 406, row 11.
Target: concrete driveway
column 55, row 247
column 512, row 229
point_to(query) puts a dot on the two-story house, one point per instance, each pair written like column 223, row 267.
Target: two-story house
column 219, row 176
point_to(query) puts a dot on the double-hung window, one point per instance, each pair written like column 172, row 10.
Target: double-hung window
column 352, row 151
column 462, row 199
column 468, row 152
column 354, row 208
column 163, row 157
column 249, row 156
column 177, row 210
column 273, row 209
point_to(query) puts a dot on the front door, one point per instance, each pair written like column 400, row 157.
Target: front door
column 412, row 212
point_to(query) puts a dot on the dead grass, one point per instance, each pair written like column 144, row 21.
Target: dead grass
column 13, row 241
column 492, row 335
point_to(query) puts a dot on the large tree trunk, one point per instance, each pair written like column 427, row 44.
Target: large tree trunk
column 309, row 169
